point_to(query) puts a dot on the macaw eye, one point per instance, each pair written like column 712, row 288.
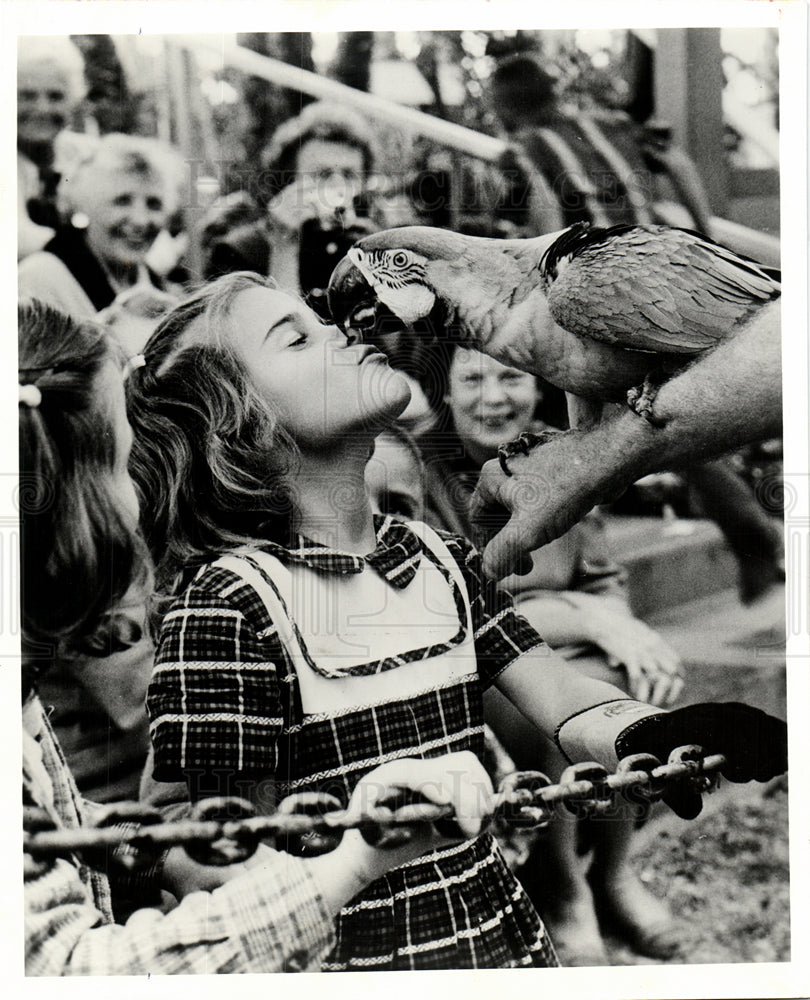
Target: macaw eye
column 400, row 259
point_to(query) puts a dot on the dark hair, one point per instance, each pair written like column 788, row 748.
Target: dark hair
column 330, row 122
column 78, row 554
column 210, row 463
column 522, row 93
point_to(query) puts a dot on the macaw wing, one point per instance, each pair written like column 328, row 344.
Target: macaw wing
column 680, row 295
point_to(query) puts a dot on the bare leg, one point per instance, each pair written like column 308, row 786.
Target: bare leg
column 754, row 537
column 624, row 906
column 572, row 897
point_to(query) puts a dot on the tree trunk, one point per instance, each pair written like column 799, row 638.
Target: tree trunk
column 352, row 64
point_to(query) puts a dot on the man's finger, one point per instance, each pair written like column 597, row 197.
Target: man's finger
column 487, row 497
column 507, row 553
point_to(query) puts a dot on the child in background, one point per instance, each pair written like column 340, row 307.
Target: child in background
column 395, row 476
column 80, row 553
column 305, row 641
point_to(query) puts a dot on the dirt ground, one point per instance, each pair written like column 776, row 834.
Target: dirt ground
column 724, row 875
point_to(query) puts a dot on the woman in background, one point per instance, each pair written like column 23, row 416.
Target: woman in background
column 575, row 599
column 115, row 195
column 50, row 84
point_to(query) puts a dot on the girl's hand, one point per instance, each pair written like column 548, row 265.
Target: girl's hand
column 653, row 667
column 457, row 779
column 182, row 875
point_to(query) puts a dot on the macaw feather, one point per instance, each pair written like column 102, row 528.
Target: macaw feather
column 408, row 304
column 653, row 288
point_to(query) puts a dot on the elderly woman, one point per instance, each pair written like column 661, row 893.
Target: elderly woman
column 319, row 165
column 50, row 85
column 114, row 197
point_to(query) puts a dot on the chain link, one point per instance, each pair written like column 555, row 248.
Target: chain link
column 223, row 831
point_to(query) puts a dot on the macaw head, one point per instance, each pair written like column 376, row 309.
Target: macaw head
column 397, row 277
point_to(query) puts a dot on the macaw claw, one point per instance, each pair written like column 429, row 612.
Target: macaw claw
column 522, row 445
column 641, row 399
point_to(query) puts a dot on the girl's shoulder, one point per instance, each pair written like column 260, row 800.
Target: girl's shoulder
column 214, row 585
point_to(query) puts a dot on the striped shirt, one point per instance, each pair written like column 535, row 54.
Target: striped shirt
column 272, row 919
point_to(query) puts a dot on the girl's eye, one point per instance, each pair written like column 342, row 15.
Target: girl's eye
column 298, row 340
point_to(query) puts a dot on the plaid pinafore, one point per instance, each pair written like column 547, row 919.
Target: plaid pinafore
column 454, row 908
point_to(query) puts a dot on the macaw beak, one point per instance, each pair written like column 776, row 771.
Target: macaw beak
column 351, row 299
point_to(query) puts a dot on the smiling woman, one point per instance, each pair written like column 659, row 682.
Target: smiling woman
column 50, row 85
column 115, row 195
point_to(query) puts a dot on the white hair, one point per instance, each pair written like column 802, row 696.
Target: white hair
column 76, row 155
column 55, row 51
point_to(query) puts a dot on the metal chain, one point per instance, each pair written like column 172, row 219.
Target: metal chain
column 223, row 831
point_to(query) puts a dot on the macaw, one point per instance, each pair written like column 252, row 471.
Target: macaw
column 604, row 314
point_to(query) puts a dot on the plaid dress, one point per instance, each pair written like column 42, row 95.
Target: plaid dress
column 264, row 671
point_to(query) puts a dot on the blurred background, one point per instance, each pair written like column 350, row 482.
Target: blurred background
column 715, row 90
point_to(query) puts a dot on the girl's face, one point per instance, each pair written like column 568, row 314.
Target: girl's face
column 394, row 480
column 110, row 388
column 490, row 403
column 322, row 386
column 126, row 212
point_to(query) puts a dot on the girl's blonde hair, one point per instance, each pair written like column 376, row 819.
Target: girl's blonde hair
column 210, row 463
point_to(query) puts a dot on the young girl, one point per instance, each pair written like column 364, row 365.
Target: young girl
column 309, row 641
column 80, row 554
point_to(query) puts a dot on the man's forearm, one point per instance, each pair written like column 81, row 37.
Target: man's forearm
column 723, row 401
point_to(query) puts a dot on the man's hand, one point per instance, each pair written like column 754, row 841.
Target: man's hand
column 754, row 744
column 548, row 491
